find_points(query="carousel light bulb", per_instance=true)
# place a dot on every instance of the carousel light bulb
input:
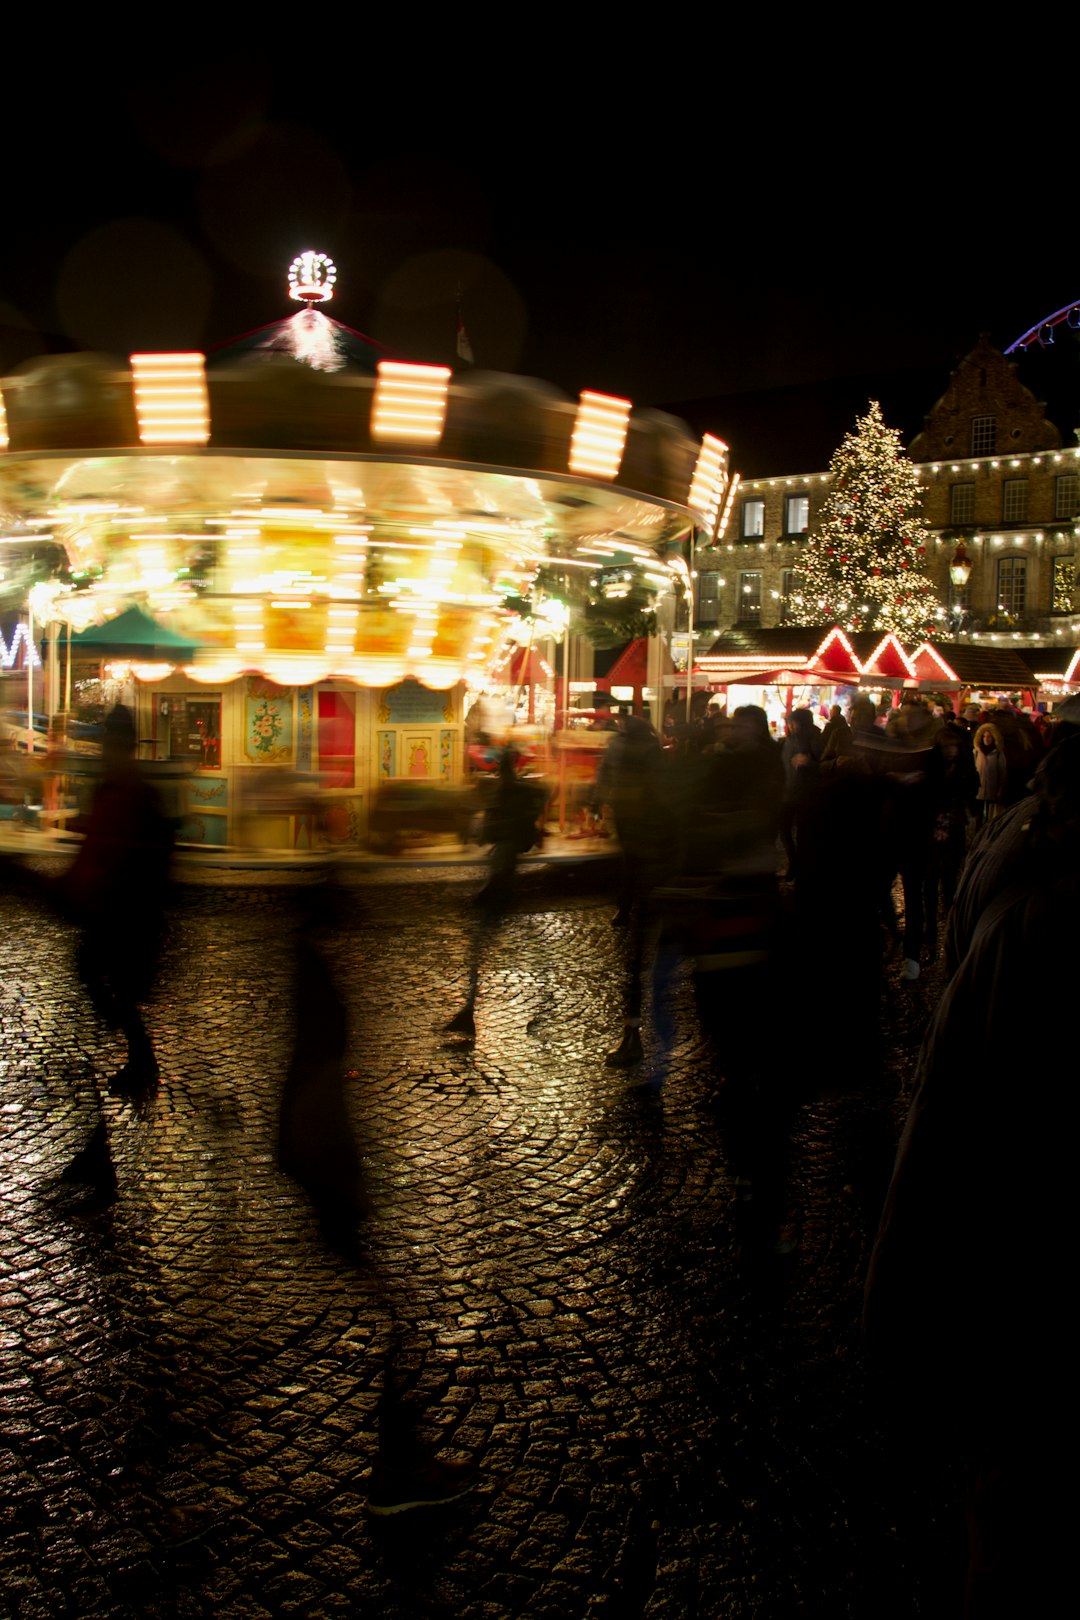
(172, 405)
(410, 402)
(599, 436)
(710, 477)
(312, 277)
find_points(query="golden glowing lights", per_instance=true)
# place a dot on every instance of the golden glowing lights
(171, 402)
(710, 477)
(725, 517)
(312, 277)
(3, 425)
(410, 402)
(599, 436)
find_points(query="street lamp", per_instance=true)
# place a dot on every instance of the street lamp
(959, 573)
(960, 566)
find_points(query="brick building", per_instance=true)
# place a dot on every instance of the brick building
(999, 476)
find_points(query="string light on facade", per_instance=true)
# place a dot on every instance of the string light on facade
(410, 402)
(599, 436)
(171, 402)
(312, 277)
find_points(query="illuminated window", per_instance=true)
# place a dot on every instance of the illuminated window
(749, 597)
(1012, 586)
(1067, 496)
(983, 435)
(787, 590)
(796, 514)
(961, 503)
(1064, 584)
(1014, 507)
(708, 596)
(753, 520)
(960, 597)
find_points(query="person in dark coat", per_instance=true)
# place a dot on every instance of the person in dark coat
(968, 1299)
(116, 891)
(800, 753)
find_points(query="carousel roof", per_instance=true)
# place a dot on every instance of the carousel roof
(310, 338)
(304, 523)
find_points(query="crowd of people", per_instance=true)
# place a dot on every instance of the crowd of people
(759, 863)
(749, 861)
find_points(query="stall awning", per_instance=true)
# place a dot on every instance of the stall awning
(134, 634)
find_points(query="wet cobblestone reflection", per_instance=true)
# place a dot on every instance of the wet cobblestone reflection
(189, 1377)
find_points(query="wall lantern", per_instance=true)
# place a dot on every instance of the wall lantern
(960, 566)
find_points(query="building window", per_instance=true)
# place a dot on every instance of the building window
(1064, 583)
(961, 503)
(787, 591)
(708, 596)
(796, 514)
(753, 520)
(1014, 507)
(983, 435)
(1067, 496)
(750, 597)
(194, 729)
(1012, 587)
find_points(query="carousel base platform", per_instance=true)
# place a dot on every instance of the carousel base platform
(197, 865)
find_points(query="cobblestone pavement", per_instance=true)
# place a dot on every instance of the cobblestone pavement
(189, 1377)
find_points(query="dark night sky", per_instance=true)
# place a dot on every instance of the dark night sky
(706, 244)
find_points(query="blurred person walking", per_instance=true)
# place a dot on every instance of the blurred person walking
(512, 828)
(636, 781)
(115, 892)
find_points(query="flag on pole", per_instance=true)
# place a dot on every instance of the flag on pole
(464, 347)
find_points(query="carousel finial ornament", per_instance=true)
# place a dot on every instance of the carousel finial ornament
(312, 277)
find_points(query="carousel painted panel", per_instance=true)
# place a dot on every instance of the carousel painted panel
(268, 723)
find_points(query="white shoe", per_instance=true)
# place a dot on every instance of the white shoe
(910, 969)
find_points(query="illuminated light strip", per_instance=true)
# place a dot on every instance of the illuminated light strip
(710, 477)
(599, 436)
(410, 402)
(888, 640)
(836, 634)
(736, 479)
(748, 660)
(171, 402)
(4, 440)
(21, 637)
(927, 651)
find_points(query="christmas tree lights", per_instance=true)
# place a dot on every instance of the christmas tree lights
(862, 567)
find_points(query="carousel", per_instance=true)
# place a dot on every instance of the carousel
(296, 566)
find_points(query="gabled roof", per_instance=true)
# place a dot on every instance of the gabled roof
(983, 665)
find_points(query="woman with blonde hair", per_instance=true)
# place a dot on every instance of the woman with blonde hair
(992, 766)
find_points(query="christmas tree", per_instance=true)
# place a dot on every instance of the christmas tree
(862, 567)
